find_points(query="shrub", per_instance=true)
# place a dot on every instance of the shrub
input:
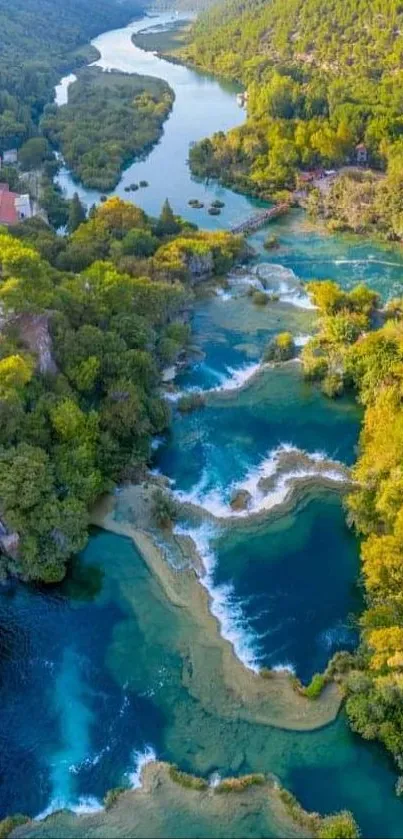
(187, 781)
(340, 826)
(240, 784)
(8, 824)
(270, 242)
(315, 687)
(310, 821)
(112, 796)
(259, 298)
(314, 362)
(333, 385)
(266, 673)
(165, 510)
(280, 348)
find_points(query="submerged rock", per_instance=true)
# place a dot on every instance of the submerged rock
(240, 500)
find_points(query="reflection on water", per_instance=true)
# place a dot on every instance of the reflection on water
(202, 106)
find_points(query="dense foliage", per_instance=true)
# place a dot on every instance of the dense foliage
(365, 202)
(109, 118)
(40, 40)
(348, 353)
(80, 355)
(280, 348)
(321, 78)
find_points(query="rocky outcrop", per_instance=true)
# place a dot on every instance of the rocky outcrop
(240, 500)
(35, 334)
(200, 266)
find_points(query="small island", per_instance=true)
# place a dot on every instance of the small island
(110, 118)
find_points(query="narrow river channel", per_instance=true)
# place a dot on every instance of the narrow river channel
(202, 106)
(94, 674)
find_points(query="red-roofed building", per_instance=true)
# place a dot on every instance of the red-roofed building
(13, 207)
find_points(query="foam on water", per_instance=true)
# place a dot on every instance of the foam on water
(75, 718)
(224, 604)
(282, 281)
(156, 443)
(294, 297)
(284, 667)
(87, 804)
(84, 805)
(370, 260)
(234, 379)
(88, 762)
(224, 294)
(216, 501)
(335, 636)
(140, 760)
(302, 340)
(237, 377)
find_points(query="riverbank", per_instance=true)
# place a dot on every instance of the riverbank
(229, 688)
(117, 117)
(166, 803)
(125, 660)
(164, 41)
(189, 120)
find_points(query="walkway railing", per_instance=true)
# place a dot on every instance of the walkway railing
(259, 219)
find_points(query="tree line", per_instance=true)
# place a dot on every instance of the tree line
(40, 40)
(359, 347)
(321, 78)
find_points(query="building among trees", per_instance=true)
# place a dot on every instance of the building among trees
(13, 206)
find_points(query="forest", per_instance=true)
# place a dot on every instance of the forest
(40, 40)
(359, 347)
(321, 79)
(90, 320)
(363, 202)
(109, 119)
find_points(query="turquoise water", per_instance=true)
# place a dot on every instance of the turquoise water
(312, 252)
(294, 586)
(92, 673)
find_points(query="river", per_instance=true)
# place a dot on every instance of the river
(202, 106)
(106, 671)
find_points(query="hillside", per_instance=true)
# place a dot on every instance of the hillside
(321, 78)
(39, 41)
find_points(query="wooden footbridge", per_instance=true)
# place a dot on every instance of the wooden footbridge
(259, 219)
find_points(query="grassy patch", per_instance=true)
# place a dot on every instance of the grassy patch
(187, 781)
(240, 784)
(8, 824)
(167, 42)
